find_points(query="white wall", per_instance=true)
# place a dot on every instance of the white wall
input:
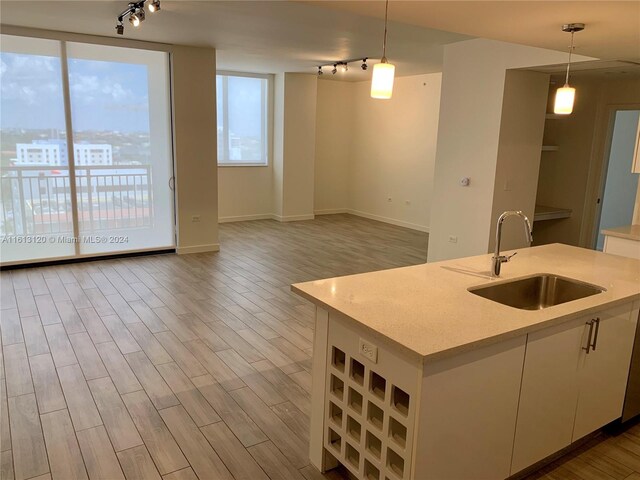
(334, 139)
(245, 193)
(195, 144)
(518, 162)
(300, 94)
(369, 150)
(468, 136)
(393, 151)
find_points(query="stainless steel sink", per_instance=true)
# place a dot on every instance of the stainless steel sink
(537, 292)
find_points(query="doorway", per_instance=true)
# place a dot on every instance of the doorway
(619, 185)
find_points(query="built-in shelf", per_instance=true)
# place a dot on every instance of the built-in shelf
(554, 116)
(543, 212)
(549, 148)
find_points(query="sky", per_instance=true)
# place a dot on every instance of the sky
(245, 106)
(106, 96)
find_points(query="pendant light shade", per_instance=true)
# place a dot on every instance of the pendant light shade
(566, 95)
(383, 72)
(382, 80)
(564, 100)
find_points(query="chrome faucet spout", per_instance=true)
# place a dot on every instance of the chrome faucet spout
(497, 260)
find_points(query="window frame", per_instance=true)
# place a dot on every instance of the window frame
(267, 127)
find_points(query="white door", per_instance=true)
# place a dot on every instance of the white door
(604, 371)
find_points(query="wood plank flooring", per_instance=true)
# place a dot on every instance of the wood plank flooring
(195, 366)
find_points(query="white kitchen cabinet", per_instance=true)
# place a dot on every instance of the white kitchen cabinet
(468, 409)
(549, 393)
(626, 247)
(566, 392)
(604, 371)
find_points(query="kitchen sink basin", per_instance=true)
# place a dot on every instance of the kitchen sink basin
(537, 292)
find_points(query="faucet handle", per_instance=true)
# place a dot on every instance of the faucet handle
(509, 257)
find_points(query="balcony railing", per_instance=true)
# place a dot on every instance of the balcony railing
(37, 200)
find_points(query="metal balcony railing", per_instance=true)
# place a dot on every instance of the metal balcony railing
(37, 199)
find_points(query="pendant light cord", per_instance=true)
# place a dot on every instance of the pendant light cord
(566, 82)
(384, 39)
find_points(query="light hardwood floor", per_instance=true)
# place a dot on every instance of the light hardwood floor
(196, 366)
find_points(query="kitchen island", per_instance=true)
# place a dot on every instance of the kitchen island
(414, 376)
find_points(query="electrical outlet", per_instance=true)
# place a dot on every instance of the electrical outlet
(368, 350)
(453, 239)
(195, 218)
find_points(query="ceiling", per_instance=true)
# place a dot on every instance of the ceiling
(296, 36)
(612, 27)
(257, 36)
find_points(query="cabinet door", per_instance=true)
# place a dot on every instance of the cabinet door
(604, 373)
(549, 392)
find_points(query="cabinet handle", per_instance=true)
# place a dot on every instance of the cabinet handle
(589, 345)
(595, 336)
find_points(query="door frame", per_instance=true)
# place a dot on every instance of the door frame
(598, 174)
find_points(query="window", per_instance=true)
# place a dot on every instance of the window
(243, 104)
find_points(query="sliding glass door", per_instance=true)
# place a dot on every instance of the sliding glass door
(122, 147)
(36, 215)
(105, 186)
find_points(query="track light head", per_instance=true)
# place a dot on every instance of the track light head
(364, 65)
(134, 20)
(343, 67)
(320, 72)
(120, 29)
(154, 6)
(335, 69)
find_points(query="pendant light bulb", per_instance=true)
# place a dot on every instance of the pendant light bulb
(383, 72)
(565, 96)
(382, 80)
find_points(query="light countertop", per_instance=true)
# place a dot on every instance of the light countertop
(631, 232)
(427, 311)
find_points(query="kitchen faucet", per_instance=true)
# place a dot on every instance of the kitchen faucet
(497, 260)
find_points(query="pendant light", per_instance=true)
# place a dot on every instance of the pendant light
(383, 72)
(565, 96)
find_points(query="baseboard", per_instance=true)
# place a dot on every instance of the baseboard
(392, 221)
(211, 247)
(331, 211)
(246, 218)
(293, 218)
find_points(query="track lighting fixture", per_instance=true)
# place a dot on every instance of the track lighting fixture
(135, 12)
(135, 19)
(343, 65)
(566, 95)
